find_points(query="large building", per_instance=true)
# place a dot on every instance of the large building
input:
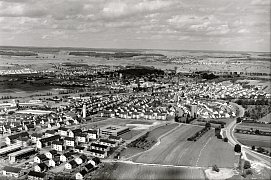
(113, 130)
(13, 157)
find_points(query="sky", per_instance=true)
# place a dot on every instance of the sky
(230, 25)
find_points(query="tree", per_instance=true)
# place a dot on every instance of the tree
(253, 147)
(225, 139)
(237, 148)
(238, 120)
(208, 125)
(247, 165)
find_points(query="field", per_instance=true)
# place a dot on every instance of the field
(134, 171)
(248, 126)
(266, 118)
(174, 149)
(151, 139)
(254, 140)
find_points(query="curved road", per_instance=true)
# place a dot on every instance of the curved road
(245, 150)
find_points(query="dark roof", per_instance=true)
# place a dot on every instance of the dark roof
(83, 172)
(62, 128)
(53, 152)
(89, 166)
(69, 138)
(36, 174)
(97, 151)
(73, 163)
(42, 166)
(50, 132)
(79, 147)
(16, 136)
(58, 142)
(107, 141)
(12, 169)
(96, 160)
(83, 157)
(42, 157)
(36, 135)
(90, 131)
(99, 145)
(51, 138)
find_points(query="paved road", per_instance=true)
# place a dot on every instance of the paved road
(245, 150)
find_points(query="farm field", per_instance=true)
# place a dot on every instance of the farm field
(254, 140)
(134, 171)
(248, 126)
(151, 139)
(174, 149)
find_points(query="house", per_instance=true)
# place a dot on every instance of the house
(49, 133)
(47, 141)
(99, 147)
(54, 162)
(62, 131)
(69, 141)
(88, 167)
(40, 158)
(58, 145)
(92, 134)
(81, 159)
(52, 125)
(12, 138)
(42, 167)
(71, 165)
(60, 124)
(12, 172)
(98, 153)
(81, 174)
(79, 149)
(51, 154)
(73, 133)
(94, 161)
(82, 138)
(33, 175)
(108, 142)
(35, 136)
(29, 127)
(67, 156)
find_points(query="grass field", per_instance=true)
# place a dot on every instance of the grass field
(261, 127)
(174, 149)
(266, 118)
(152, 138)
(133, 171)
(254, 140)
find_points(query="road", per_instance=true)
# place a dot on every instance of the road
(245, 150)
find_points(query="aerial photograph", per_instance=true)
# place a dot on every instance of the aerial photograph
(135, 89)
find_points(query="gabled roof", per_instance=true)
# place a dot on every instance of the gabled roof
(51, 138)
(69, 139)
(12, 169)
(53, 152)
(96, 160)
(58, 142)
(89, 166)
(73, 163)
(16, 136)
(42, 157)
(99, 145)
(36, 174)
(42, 166)
(83, 172)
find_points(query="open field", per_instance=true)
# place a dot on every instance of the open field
(174, 149)
(248, 126)
(133, 171)
(254, 140)
(151, 139)
(266, 118)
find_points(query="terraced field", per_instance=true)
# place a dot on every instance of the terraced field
(174, 149)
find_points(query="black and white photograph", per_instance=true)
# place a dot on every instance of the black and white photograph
(135, 89)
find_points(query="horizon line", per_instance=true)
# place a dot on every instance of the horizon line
(59, 47)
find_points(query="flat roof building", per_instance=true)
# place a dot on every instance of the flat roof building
(113, 130)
